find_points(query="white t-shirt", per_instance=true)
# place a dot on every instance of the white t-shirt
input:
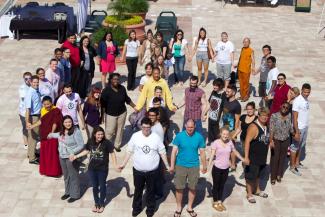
(146, 150)
(144, 79)
(272, 76)
(223, 52)
(23, 89)
(158, 129)
(69, 106)
(132, 48)
(301, 105)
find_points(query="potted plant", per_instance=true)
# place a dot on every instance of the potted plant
(119, 36)
(123, 18)
(138, 7)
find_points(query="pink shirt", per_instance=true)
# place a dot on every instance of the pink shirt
(222, 153)
(69, 106)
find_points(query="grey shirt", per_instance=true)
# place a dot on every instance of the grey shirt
(87, 61)
(264, 70)
(69, 145)
(279, 127)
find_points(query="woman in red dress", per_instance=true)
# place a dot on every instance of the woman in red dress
(107, 51)
(50, 122)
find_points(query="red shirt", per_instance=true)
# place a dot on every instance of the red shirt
(280, 96)
(74, 54)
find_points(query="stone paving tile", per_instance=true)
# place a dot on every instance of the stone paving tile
(300, 55)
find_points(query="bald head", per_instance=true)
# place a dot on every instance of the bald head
(190, 126)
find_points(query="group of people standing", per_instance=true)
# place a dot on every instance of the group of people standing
(58, 103)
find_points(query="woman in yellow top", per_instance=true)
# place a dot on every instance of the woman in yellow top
(246, 66)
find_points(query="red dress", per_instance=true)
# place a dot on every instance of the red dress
(280, 96)
(108, 65)
(49, 163)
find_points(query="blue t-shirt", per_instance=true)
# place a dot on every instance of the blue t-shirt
(188, 147)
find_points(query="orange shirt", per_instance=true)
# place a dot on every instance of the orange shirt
(245, 62)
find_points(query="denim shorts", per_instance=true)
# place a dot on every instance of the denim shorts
(297, 145)
(224, 71)
(202, 56)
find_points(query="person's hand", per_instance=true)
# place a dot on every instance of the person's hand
(171, 170)
(253, 71)
(72, 157)
(121, 59)
(271, 144)
(120, 168)
(204, 117)
(28, 126)
(246, 161)
(174, 109)
(297, 136)
(135, 109)
(49, 136)
(82, 127)
(98, 62)
(141, 62)
(232, 67)
(204, 170)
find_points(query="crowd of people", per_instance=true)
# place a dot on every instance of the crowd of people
(58, 103)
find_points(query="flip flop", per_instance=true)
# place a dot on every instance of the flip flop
(177, 214)
(262, 194)
(192, 213)
(251, 200)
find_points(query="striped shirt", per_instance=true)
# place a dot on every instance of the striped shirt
(193, 104)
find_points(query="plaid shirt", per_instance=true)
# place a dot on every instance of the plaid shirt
(193, 104)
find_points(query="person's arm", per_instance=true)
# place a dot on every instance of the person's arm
(173, 158)
(203, 160)
(188, 53)
(142, 98)
(237, 130)
(124, 52)
(140, 87)
(295, 126)
(81, 117)
(251, 134)
(274, 83)
(114, 160)
(81, 154)
(253, 63)
(237, 117)
(142, 51)
(125, 161)
(53, 135)
(164, 159)
(27, 118)
(164, 50)
(129, 101)
(205, 107)
(37, 124)
(171, 42)
(212, 154)
(54, 127)
(195, 47)
(238, 155)
(184, 101)
(138, 48)
(210, 48)
(79, 140)
(169, 98)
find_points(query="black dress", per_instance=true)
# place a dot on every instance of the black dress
(86, 74)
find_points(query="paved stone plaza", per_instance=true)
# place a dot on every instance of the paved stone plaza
(300, 55)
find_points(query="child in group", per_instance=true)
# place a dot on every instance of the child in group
(158, 93)
(148, 68)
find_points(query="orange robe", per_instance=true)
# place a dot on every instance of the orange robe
(244, 71)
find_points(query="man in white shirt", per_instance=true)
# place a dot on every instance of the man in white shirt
(225, 58)
(156, 126)
(22, 110)
(53, 75)
(272, 79)
(69, 104)
(147, 148)
(300, 110)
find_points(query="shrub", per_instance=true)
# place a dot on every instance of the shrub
(119, 35)
(130, 20)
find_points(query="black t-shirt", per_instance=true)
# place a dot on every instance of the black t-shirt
(162, 45)
(99, 154)
(259, 147)
(229, 111)
(216, 101)
(244, 126)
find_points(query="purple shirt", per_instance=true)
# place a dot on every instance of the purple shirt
(91, 112)
(222, 153)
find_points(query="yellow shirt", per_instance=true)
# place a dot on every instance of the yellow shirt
(148, 91)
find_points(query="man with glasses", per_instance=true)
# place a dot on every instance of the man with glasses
(22, 110)
(147, 149)
(33, 107)
(224, 55)
(113, 100)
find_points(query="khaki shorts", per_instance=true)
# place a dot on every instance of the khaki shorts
(184, 175)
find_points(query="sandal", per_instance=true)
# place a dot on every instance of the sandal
(217, 207)
(251, 199)
(278, 179)
(177, 214)
(262, 194)
(95, 208)
(192, 213)
(100, 209)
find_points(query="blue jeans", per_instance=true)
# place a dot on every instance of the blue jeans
(98, 181)
(179, 68)
(198, 126)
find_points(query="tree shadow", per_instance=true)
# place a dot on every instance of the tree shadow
(114, 188)
(264, 177)
(128, 131)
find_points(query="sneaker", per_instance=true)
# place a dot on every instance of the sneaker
(274, 2)
(295, 171)
(25, 146)
(301, 166)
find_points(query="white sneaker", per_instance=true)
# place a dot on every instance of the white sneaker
(274, 2)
